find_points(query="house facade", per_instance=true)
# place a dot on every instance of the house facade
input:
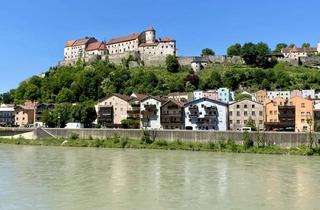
(242, 111)
(225, 95)
(24, 115)
(282, 94)
(113, 108)
(181, 96)
(172, 115)
(294, 53)
(303, 113)
(261, 96)
(150, 109)
(6, 115)
(206, 114)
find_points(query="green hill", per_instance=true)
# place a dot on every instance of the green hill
(84, 82)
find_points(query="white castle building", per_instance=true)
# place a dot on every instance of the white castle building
(143, 46)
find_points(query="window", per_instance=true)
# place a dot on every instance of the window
(231, 122)
(260, 122)
(245, 106)
(260, 113)
(253, 106)
(238, 122)
(303, 105)
(275, 112)
(238, 106)
(253, 113)
(303, 120)
(245, 122)
(245, 113)
(238, 113)
(270, 112)
(230, 113)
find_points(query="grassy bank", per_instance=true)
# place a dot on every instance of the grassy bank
(117, 142)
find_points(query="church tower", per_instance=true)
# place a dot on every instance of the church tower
(150, 35)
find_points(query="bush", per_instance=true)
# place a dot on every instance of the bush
(74, 136)
(146, 138)
(124, 142)
(172, 64)
(247, 141)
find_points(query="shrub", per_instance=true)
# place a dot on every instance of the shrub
(124, 142)
(146, 139)
(74, 136)
(247, 141)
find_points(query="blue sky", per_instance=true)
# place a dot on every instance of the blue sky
(33, 32)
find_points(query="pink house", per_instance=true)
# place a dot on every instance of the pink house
(211, 94)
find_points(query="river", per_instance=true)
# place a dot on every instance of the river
(48, 178)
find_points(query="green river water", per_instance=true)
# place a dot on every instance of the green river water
(48, 178)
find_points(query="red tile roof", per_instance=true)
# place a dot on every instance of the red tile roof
(178, 103)
(124, 38)
(70, 43)
(78, 42)
(96, 46)
(297, 50)
(167, 40)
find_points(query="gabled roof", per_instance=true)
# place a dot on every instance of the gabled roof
(124, 38)
(123, 97)
(178, 103)
(79, 42)
(25, 107)
(206, 99)
(167, 40)
(96, 46)
(138, 96)
(154, 97)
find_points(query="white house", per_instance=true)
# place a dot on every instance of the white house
(206, 114)
(282, 94)
(150, 108)
(308, 93)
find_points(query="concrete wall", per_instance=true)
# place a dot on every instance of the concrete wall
(274, 138)
(283, 139)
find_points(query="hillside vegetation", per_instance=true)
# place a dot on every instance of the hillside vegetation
(84, 82)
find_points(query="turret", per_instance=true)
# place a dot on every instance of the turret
(150, 35)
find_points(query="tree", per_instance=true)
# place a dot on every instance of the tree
(65, 96)
(243, 96)
(84, 113)
(257, 55)
(250, 123)
(207, 52)
(292, 45)
(279, 47)
(305, 45)
(249, 53)
(234, 50)
(172, 63)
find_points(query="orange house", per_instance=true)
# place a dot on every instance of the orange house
(304, 113)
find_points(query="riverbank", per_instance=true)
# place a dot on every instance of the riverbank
(118, 142)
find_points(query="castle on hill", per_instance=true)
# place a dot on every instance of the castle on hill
(142, 47)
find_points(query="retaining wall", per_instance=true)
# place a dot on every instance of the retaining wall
(276, 138)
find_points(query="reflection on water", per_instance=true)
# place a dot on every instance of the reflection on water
(84, 178)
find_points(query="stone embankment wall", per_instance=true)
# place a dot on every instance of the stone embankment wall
(283, 139)
(275, 138)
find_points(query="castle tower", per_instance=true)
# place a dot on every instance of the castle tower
(150, 35)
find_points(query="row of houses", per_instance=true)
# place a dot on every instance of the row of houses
(176, 112)
(200, 110)
(26, 115)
